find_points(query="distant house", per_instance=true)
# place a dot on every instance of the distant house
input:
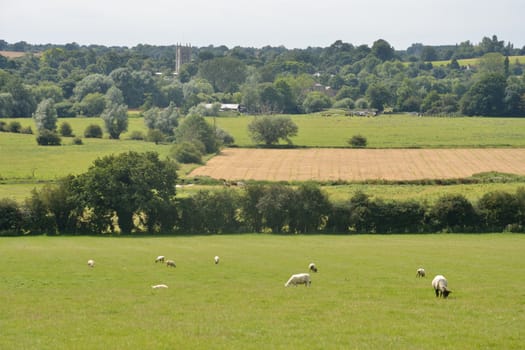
(227, 107)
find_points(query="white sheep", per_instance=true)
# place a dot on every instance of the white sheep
(439, 283)
(91, 263)
(216, 259)
(170, 263)
(300, 278)
(312, 267)
(160, 258)
(157, 286)
(420, 272)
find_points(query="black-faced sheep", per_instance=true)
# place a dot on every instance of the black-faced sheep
(91, 263)
(312, 267)
(300, 278)
(170, 263)
(420, 272)
(439, 283)
(160, 258)
(216, 259)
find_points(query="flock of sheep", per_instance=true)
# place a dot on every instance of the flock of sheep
(439, 283)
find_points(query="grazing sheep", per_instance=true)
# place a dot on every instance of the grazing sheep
(312, 267)
(157, 286)
(170, 263)
(160, 258)
(300, 278)
(91, 263)
(420, 272)
(216, 259)
(439, 283)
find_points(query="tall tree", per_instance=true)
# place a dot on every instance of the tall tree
(46, 115)
(115, 120)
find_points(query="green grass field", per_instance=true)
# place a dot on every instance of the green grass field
(475, 61)
(365, 295)
(393, 131)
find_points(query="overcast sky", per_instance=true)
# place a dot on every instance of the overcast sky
(257, 23)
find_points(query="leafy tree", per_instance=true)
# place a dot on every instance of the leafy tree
(165, 120)
(498, 209)
(92, 104)
(485, 97)
(93, 83)
(452, 212)
(187, 152)
(382, 50)
(310, 209)
(270, 129)
(224, 73)
(93, 131)
(316, 101)
(10, 217)
(115, 120)
(65, 129)
(48, 138)
(126, 185)
(378, 95)
(195, 128)
(46, 115)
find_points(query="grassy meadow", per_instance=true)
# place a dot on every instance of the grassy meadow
(365, 295)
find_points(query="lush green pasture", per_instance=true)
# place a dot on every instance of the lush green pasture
(365, 295)
(475, 61)
(393, 131)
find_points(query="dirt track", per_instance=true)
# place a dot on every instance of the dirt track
(360, 164)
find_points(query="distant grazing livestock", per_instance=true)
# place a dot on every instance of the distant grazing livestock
(216, 259)
(157, 286)
(420, 272)
(300, 278)
(91, 263)
(439, 283)
(160, 258)
(170, 263)
(312, 267)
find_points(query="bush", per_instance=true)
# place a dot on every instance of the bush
(357, 141)
(155, 135)
(93, 131)
(48, 138)
(65, 109)
(65, 130)
(77, 141)
(10, 217)
(14, 127)
(187, 152)
(136, 135)
(26, 130)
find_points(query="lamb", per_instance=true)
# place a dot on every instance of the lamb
(160, 258)
(300, 278)
(312, 267)
(170, 263)
(420, 272)
(91, 263)
(157, 286)
(439, 283)
(216, 259)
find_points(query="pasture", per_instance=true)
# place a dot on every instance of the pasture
(365, 295)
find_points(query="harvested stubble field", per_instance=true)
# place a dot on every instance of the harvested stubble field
(360, 164)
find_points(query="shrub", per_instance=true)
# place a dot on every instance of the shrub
(93, 131)
(136, 135)
(155, 135)
(14, 126)
(357, 141)
(48, 138)
(65, 109)
(77, 141)
(10, 217)
(65, 130)
(26, 130)
(187, 152)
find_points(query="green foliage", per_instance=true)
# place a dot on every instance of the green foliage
(10, 217)
(453, 213)
(93, 131)
(136, 135)
(13, 126)
(115, 120)
(357, 141)
(77, 141)
(225, 74)
(498, 209)
(92, 104)
(270, 129)
(48, 138)
(165, 120)
(155, 135)
(195, 127)
(187, 152)
(45, 116)
(316, 102)
(65, 129)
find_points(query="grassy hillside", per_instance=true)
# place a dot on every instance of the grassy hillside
(364, 296)
(464, 62)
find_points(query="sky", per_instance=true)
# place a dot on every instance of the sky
(259, 23)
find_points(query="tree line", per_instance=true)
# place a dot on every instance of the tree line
(266, 80)
(135, 193)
